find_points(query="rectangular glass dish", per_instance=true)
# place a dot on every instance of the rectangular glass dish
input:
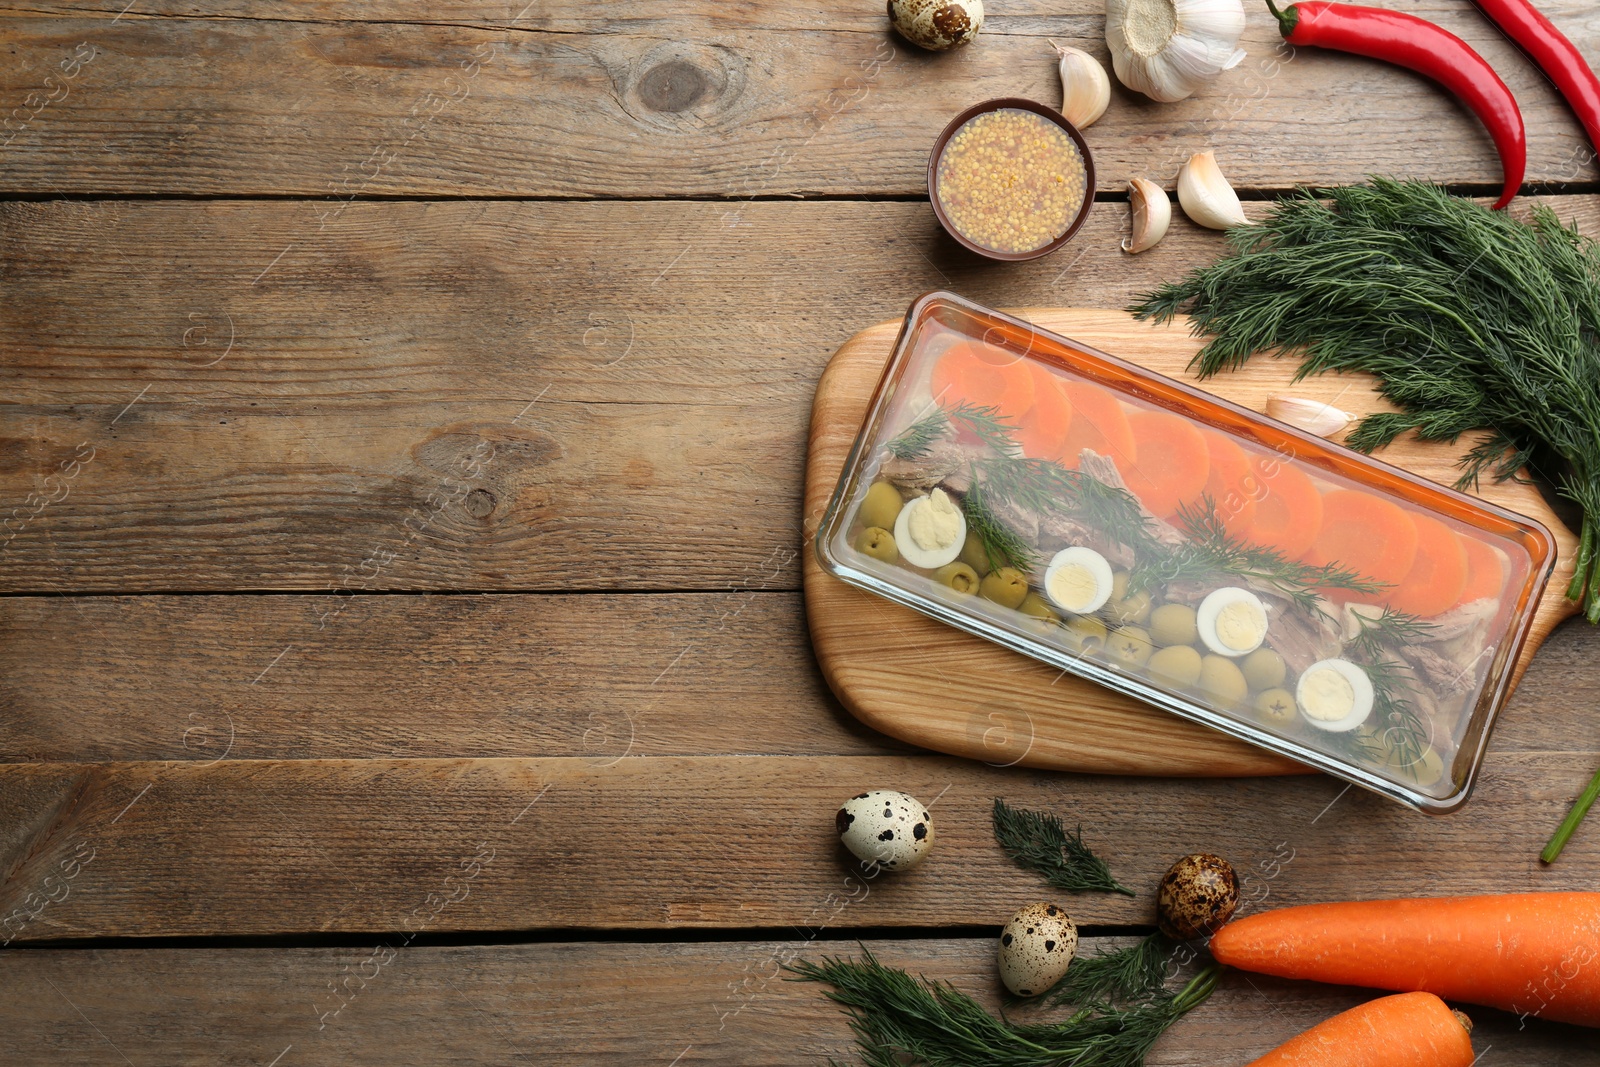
(1189, 552)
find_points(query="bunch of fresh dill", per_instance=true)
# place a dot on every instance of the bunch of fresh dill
(899, 1019)
(1038, 841)
(1471, 320)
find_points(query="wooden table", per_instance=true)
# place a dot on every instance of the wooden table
(403, 659)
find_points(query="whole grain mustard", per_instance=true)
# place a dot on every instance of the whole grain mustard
(1011, 181)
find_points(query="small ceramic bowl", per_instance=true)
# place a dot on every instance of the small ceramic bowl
(1018, 104)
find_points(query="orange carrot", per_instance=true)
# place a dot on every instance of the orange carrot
(1225, 484)
(1486, 569)
(1367, 533)
(1044, 429)
(1437, 574)
(1098, 423)
(1288, 506)
(1534, 954)
(1406, 1030)
(1173, 461)
(983, 375)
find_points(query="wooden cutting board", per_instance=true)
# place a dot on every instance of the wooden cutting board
(922, 681)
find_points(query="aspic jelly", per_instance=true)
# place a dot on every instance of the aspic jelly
(1174, 546)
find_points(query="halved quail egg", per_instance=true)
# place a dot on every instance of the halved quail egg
(1036, 948)
(1078, 580)
(930, 530)
(1334, 695)
(885, 828)
(1232, 621)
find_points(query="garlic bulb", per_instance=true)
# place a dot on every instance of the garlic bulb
(1166, 49)
(1151, 211)
(1206, 196)
(1085, 88)
(1312, 416)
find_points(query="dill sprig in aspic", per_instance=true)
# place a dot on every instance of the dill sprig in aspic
(1038, 841)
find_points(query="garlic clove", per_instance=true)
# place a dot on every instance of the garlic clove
(1312, 416)
(1166, 49)
(1151, 212)
(1206, 196)
(1085, 86)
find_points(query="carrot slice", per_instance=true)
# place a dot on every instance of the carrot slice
(1226, 483)
(983, 375)
(1173, 461)
(1044, 428)
(1288, 506)
(1486, 570)
(1098, 423)
(1532, 953)
(1406, 1030)
(1370, 535)
(1437, 575)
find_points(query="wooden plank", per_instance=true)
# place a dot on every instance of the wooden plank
(573, 1003)
(267, 847)
(597, 677)
(274, 677)
(825, 102)
(498, 394)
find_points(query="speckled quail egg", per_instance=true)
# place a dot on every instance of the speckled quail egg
(1232, 621)
(930, 531)
(1078, 580)
(885, 828)
(937, 24)
(1334, 695)
(1198, 895)
(1036, 948)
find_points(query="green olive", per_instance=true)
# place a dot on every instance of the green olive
(1126, 607)
(1173, 624)
(881, 507)
(1276, 707)
(1222, 681)
(1129, 646)
(958, 576)
(1086, 634)
(1426, 769)
(1176, 665)
(1038, 607)
(974, 555)
(878, 543)
(1006, 587)
(1264, 669)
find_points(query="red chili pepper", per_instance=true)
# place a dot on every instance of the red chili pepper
(1556, 56)
(1418, 45)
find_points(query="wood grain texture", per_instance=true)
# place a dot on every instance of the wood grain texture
(86, 679)
(768, 100)
(93, 679)
(1012, 709)
(270, 847)
(495, 395)
(577, 1003)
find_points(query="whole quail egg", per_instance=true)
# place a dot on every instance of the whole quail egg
(1036, 949)
(1197, 896)
(937, 24)
(885, 828)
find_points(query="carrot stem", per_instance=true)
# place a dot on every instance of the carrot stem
(1569, 825)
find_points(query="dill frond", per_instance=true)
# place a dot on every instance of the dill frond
(1038, 841)
(899, 1019)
